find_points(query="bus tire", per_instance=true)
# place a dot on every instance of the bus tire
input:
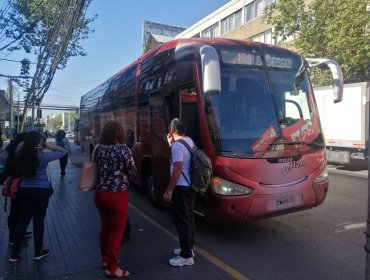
(149, 186)
(150, 189)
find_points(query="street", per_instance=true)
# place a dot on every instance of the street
(260, 100)
(321, 243)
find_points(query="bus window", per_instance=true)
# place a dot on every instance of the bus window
(190, 115)
(157, 115)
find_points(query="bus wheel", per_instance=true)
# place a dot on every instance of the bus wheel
(150, 187)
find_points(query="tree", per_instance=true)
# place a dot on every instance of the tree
(329, 28)
(54, 123)
(51, 31)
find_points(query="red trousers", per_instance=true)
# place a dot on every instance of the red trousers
(113, 208)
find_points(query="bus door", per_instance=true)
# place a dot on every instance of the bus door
(189, 114)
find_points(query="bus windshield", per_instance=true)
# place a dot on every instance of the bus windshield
(266, 103)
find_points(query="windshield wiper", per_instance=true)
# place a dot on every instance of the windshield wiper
(298, 143)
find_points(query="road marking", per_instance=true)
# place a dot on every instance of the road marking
(200, 251)
(349, 226)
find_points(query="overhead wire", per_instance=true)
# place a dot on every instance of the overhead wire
(73, 13)
(12, 60)
(31, 26)
(20, 15)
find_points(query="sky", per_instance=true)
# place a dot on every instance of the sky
(115, 43)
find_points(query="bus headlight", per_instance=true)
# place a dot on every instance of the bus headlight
(223, 187)
(322, 176)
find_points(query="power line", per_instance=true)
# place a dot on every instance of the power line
(30, 27)
(11, 60)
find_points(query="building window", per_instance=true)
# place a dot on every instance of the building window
(264, 37)
(211, 31)
(268, 37)
(260, 6)
(249, 15)
(256, 9)
(231, 22)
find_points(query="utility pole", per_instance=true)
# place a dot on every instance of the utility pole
(10, 91)
(18, 115)
(367, 232)
(33, 112)
(69, 121)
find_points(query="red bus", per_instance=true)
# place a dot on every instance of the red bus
(248, 105)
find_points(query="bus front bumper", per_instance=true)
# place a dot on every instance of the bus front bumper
(242, 209)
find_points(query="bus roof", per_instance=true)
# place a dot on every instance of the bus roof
(187, 41)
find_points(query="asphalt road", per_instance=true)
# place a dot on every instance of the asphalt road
(321, 243)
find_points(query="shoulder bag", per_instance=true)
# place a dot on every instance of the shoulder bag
(89, 175)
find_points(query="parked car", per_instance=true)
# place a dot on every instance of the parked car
(70, 135)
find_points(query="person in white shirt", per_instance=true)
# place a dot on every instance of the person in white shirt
(179, 193)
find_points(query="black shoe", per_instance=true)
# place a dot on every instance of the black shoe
(28, 234)
(62, 173)
(41, 254)
(14, 258)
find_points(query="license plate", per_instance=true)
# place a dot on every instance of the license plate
(282, 203)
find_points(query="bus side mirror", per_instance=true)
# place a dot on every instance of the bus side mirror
(337, 75)
(210, 65)
(211, 70)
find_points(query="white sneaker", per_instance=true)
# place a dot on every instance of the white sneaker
(177, 252)
(180, 261)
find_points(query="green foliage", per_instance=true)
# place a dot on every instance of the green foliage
(49, 30)
(334, 29)
(56, 122)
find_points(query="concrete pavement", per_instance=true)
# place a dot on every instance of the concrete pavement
(71, 233)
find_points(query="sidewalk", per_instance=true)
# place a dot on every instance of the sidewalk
(71, 233)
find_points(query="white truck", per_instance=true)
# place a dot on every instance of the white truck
(345, 124)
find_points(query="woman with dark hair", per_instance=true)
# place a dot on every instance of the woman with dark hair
(30, 164)
(13, 213)
(62, 141)
(115, 164)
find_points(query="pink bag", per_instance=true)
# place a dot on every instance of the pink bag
(11, 186)
(88, 178)
(89, 175)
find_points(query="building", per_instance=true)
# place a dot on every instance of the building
(237, 19)
(155, 34)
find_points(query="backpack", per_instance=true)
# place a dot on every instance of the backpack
(11, 186)
(200, 168)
